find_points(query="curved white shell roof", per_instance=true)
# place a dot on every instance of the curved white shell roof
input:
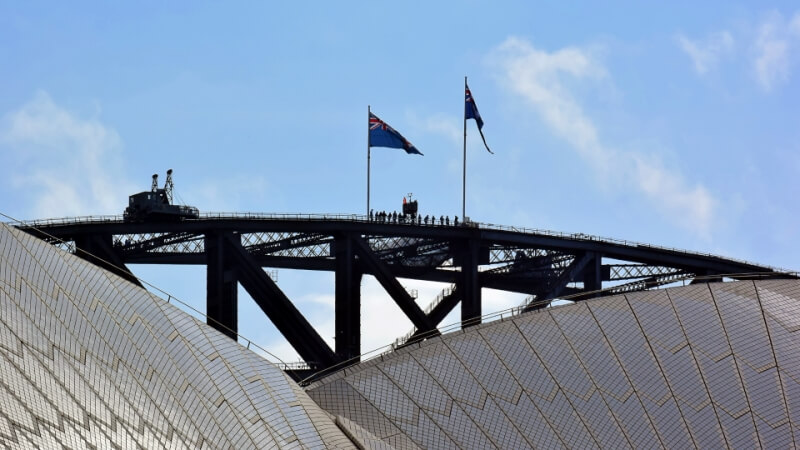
(88, 360)
(703, 366)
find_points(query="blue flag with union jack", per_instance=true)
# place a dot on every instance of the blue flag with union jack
(471, 112)
(382, 135)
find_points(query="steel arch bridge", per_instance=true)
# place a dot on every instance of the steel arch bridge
(236, 248)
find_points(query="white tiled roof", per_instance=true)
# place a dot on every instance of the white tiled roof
(88, 360)
(703, 366)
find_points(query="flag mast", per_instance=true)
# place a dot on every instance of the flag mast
(464, 180)
(385, 136)
(368, 157)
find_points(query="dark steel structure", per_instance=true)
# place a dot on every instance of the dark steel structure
(236, 249)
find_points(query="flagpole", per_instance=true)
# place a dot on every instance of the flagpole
(464, 181)
(368, 158)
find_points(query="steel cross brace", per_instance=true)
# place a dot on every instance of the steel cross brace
(576, 267)
(437, 314)
(393, 287)
(277, 306)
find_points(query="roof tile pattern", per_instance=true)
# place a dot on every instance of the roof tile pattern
(701, 366)
(88, 360)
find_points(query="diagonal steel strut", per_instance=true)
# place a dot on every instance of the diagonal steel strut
(398, 293)
(277, 306)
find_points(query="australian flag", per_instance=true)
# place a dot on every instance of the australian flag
(471, 112)
(382, 135)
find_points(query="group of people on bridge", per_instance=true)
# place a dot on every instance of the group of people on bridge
(412, 219)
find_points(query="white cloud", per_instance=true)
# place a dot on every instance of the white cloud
(771, 47)
(692, 205)
(539, 77)
(442, 124)
(774, 44)
(794, 26)
(536, 75)
(61, 164)
(706, 54)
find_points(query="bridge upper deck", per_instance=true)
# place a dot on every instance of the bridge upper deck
(487, 233)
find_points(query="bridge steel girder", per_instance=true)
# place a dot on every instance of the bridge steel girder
(280, 310)
(468, 283)
(593, 274)
(164, 240)
(393, 287)
(642, 254)
(99, 250)
(437, 314)
(286, 243)
(448, 303)
(572, 271)
(222, 305)
(623, 272)
(348, 300)
(632, 252)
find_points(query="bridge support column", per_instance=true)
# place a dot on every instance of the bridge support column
(348, 300)
(222, 306)
(469, 286)
(592, 274)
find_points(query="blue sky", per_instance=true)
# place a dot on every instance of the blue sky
(673, 124)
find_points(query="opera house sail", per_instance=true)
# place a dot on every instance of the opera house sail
(713, 365)
(89, 360)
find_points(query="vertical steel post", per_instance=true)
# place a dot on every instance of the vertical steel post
(348, 300)
(469, 285)
(592, 274)
(221, 288)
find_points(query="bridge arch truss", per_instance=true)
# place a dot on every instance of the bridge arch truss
(467, 258)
